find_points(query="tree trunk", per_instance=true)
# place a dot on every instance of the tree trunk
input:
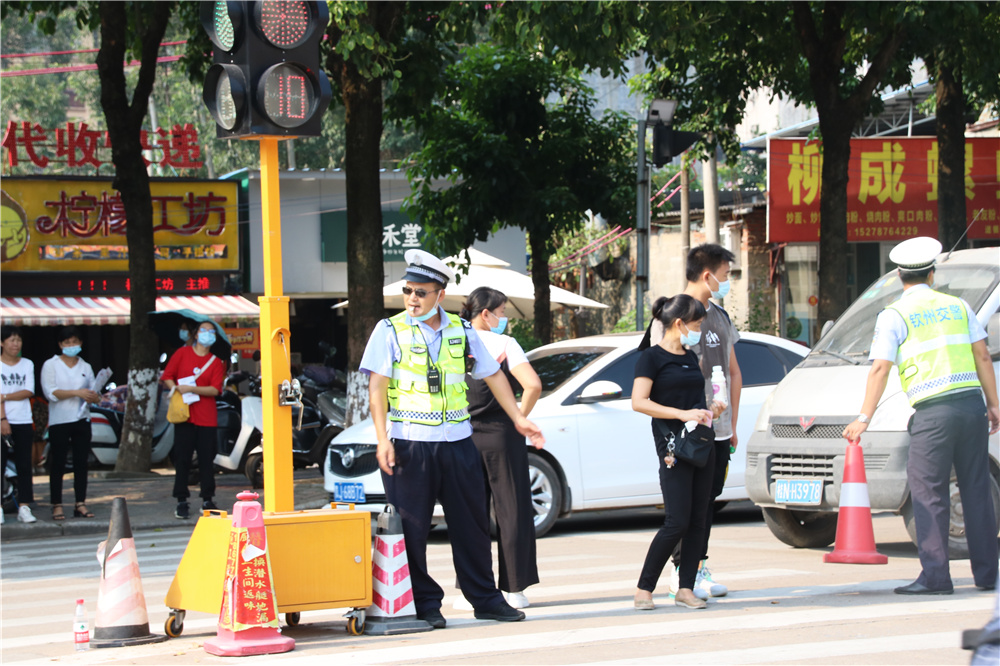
(951, 156)
(833, 296)
(362, 99)
(124, 120)
(540, 278)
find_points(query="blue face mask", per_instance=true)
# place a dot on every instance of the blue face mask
(72, 351)
(427, 315)
(723, 288)
(691, 338)
(206, 338)
(501, 325)
(184, 335)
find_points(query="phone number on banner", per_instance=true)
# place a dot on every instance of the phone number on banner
(884, 232)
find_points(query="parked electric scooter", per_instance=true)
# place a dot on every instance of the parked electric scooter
(321, 420)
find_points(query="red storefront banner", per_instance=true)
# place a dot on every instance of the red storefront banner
(891, 191)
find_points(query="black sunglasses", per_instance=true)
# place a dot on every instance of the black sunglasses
(421, 293)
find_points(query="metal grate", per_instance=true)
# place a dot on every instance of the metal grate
(352, 460)
(751, 461)
(794, 431)
(816, 467)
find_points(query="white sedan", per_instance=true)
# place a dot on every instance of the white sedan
(598, 453)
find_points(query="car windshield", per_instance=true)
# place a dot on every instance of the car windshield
(556, 366)
(852, 334)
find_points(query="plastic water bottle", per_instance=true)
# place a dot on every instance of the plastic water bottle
(81, 632)
(719, 390)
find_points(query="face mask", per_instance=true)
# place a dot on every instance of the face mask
(723, 288)
(72, 351)
(183, 333)
(691, 338)
(501, 325)
(430, 313)
(206, 338)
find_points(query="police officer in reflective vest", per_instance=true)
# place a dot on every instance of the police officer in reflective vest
(417, 362)
(945, 369)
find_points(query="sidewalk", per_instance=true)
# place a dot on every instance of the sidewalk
(149, 499)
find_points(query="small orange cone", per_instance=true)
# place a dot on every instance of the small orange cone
(121, 606)
(392, 610)
(248, 620)
(855, 542)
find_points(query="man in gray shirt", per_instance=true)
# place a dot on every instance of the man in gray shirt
(708, 268)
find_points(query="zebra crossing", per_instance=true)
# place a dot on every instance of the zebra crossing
(786, 607)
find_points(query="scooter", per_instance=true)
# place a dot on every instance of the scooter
(314, 425)
(8, 499)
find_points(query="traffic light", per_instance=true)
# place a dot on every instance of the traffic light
(266, 78)
(669, 143)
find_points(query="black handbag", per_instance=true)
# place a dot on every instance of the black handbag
(693, 447)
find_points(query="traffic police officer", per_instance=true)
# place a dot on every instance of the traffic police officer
(416, 362)
(945, 369)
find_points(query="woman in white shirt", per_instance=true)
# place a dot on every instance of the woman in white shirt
(15, 414)
(503, 449)
(68, 383)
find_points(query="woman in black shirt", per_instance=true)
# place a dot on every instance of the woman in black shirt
(670, 387)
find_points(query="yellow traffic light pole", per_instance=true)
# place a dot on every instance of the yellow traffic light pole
(320, 559)
(275, 352)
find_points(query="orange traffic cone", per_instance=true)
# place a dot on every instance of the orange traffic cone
(855, 542)
(248, 620)
(392, 610)
(121, 606)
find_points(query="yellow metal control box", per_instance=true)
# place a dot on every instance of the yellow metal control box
(319, 559)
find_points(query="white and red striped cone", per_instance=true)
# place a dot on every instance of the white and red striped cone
(248, 619)
(121, 606)
(855, 542)
(392, 610)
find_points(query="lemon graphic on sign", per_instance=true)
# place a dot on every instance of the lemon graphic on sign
(13, 228)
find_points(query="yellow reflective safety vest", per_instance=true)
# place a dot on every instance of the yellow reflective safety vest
(410, 395)
(936, 356)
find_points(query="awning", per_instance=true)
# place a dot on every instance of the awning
(66, 310)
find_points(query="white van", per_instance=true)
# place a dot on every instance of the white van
(795, 457)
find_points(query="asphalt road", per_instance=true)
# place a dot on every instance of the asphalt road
(785, 605)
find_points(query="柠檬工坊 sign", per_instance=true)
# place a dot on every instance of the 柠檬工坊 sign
(891, 191)
(78, 225)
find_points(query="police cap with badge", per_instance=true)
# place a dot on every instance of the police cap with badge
(915, 254)
(423, 266)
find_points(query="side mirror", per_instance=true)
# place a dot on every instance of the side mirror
(234, 358)
(826, 328)
(601, 391)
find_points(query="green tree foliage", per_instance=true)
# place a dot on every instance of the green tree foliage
(515, 160)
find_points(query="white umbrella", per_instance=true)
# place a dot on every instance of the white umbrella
(488, 271)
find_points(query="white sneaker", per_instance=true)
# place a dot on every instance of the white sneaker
(517, 599)
(462, 604)
(709, 587)
(24, 514)
(675, 579)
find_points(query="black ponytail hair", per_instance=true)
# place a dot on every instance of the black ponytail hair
(481, 298)
(683, 307)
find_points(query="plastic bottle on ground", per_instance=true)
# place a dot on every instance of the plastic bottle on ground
(81, 630)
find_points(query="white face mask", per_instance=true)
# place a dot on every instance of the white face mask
(430, 313)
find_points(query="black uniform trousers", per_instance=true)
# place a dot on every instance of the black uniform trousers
(450, 473)
(952, 431)
(505, 464)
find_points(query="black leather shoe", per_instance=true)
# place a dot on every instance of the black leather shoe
(433, 617)
(917, 588)
(501, 612)
(987, 588)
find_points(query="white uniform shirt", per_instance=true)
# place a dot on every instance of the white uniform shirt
(18, 377)
(57, 376)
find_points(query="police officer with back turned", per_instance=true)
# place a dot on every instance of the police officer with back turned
(417, 362)
(945, 369)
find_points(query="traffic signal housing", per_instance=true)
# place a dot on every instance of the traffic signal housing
(266, 78)
(669, 143)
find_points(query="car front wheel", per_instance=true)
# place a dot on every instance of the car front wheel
(546, 493)
(802, 529)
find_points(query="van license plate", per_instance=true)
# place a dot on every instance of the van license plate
(798, 491)
(349, 492)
